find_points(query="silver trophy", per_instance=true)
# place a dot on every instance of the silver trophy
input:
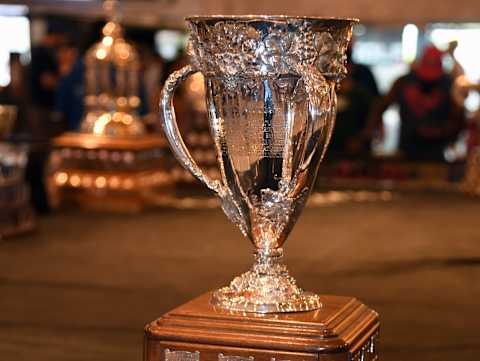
(270, 92)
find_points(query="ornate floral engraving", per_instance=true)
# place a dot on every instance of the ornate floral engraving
(272, 211)
(251, 48)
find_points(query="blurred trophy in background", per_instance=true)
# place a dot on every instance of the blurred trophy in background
(112, 163)
(270, 92)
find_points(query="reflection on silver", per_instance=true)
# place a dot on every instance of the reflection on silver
(270, 87)
(181, 355)
(326, 199)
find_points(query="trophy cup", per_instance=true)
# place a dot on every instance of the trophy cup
(270, 93)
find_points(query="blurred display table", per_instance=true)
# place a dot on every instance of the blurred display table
(391, 174)
(17, 216)
(342, 330)
(108, 173)
(471, 183)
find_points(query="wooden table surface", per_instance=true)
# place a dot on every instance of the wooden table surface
(84, 285)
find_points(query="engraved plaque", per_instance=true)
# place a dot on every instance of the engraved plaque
(368, 352)
(181, 355)
(222, 357)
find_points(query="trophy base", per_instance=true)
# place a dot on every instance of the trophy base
(345, 329)
(266, 288)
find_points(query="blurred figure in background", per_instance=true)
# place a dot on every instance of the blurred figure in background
(454, 67)
(44, 80)
(16, 93)
(69, 93)
(67, 55)
(44, 77)
(430, 119)
(356, 96)
(456, 71)
(354, 103)
(361, 74)
(152, 72)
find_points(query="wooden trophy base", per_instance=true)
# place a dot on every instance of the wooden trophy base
(344, 329)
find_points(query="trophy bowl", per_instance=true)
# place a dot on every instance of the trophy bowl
(270, 93)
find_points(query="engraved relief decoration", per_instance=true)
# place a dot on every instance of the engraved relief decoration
(247, 48)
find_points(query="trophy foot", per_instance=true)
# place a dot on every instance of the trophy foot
(266, 288)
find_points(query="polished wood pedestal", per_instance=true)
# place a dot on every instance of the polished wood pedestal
(342, 330)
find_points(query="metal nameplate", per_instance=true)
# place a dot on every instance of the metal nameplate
(181, 355)
(222, 357)
(368, 351)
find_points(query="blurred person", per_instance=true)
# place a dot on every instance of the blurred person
(44, 77)
(67, 56)
(152, 74)
(361, 74)
(18, 91)
(354, 103)
(17, 77)
(357, 94)
(13, 91)
(430, 118)
(70, 92)
(454, 67)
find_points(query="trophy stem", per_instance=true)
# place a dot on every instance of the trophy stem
(268, 256)
(266, 288)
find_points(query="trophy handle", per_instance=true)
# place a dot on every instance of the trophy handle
(172, 132)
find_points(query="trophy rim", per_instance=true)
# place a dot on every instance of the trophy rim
(252, 17)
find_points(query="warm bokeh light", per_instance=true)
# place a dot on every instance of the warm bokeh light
(61, 178)
(101, 54)
(100, 182)
(75, 180)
